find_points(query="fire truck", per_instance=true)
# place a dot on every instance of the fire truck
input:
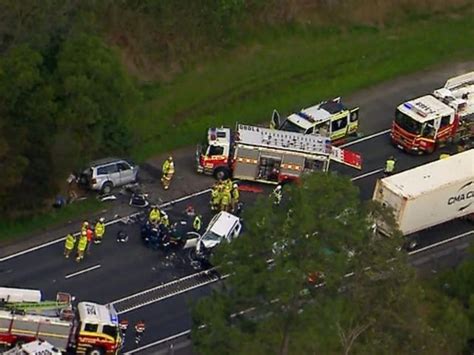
(89, 328)
(331, 118)
(267, 155)
(446, 116)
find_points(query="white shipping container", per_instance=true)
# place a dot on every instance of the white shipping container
(430, 194)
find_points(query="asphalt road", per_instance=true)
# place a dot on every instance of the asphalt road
(115, 270)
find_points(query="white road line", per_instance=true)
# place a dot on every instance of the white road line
(431, 246)
(47, 244)
(363, 139)
(366, 174)
(82, 271)
(158, 342)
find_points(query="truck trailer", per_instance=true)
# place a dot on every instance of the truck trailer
(429, 194)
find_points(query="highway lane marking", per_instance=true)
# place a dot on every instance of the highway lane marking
(366, 174)
(366, 138)
(52, 242)
(445, 241)
(82, 271)
(158, 342)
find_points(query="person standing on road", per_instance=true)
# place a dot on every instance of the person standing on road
(390, 165)
(277, 195)
(139, 330)
(235, 196)
(69, 245)
(168, 172)
(84, 227)
(226, 199)
(215, 198)
(123, 325)
(99, 230)
(90, 240)
(81, 246)
(154, 216)
(197, 223)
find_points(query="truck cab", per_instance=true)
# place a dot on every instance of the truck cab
(328, 118)
(212, 157)
(422, 123)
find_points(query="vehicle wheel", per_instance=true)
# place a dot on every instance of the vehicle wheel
(107, 188)
(221, 173)
(95, 351)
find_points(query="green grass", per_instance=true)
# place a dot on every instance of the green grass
(27, 226)
(288, 69)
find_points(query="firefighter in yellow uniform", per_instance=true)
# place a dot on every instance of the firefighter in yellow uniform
(215, 198)
(85, 226)
(154, 216)
(168, 172)
(99, 230)
(197, 223)
(165, 220)
(235, 196)
(69, 245)
(390, 166)
(226, 198)
(81, 246)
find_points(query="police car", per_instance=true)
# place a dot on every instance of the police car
(329, 118)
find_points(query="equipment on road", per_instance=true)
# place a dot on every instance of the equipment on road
(430, 194)
(328, 118)
(89, 328)
(266, 155)
(446, 116)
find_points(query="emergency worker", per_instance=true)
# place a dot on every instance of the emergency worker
(81, 246)
(277, 195)
(235, 195)
(99, 230)
(123, 325)
(90, 239)
(84, 227)
(215, 201)
(226, 198)
(139, 330)
(69, 244)
(165, 221)
(168, 172)
(154, 216)
(197, 223)
(390, 165)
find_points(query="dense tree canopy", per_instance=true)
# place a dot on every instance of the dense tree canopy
(364, 297)
(59, 107)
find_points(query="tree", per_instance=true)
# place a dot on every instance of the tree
(365, 298)
(96, 97)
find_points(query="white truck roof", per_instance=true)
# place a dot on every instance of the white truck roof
(425, 108)
(9, 294)
(283, 140)
(425, 178)
(97, 313)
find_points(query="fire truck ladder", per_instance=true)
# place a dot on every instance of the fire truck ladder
(35, 306)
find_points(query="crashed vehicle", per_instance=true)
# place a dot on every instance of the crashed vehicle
(161, 237)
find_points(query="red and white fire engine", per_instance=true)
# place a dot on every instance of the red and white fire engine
(89, 328)
(267, 155)
(447, 115)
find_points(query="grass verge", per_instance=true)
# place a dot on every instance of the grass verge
(22, 227)
(288, 69)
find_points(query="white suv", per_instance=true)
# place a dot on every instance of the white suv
(105, 174)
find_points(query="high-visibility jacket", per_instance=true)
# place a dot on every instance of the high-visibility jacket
(165, 221)
(99, 229)
(390, 166)
(235, 194)
(168, 167)
(81, 246)
(197, 223)
(155, 215)
(70, 241)
(225, 198)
